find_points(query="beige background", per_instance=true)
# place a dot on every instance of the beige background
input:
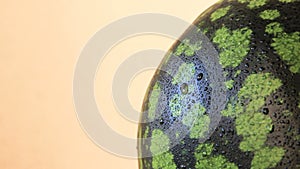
(40, 43)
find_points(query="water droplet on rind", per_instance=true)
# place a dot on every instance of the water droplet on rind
(265, 111)
(184, 88)
(200, 76)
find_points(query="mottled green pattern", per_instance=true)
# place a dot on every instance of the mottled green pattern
(219, 13)
(164, 161)
(159, 142)
(250, 123)
(153, 100)
(257, 87)
(229, 84)
(233, 109)
(254, 129)
(267, 157)
(185, 47)
(205, 159)
(269, 14)
(256, 40)
(274, 28)
(190, 117)
(288, 1)
(185, 72)
(288, 47)
(254, 3)
(227, 41)
(159, 148)
(197, 121)
(175, 105)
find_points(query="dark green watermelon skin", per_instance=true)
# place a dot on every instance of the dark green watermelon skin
(259, 126)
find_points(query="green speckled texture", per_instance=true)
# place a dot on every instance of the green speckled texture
(229, 84)
(198, 122)
(205, 159)
(219, 13)
(287, 46)
(184, 73)
(274, 28)
(187, 48)
(267, 157)
(153, 99)
(254, 3)
(227, 41)
(175, 105)
(269, 14)
(258, 124)
(159, 147)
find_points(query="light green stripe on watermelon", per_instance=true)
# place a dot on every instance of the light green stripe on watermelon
(254, 128)
(159, 142)
(267, 157)
(219, 13)
(274, 28)
(175, 105)
(233, 109)
(153, 100)
(159, 147)
(197, 121)
(256, 87)
(164, 161)
(185, 72)
(270, 14)
(287, 1)
(187, 48)
(254, 3)
(227, 41)
(229, 84)
(205, 160)
(287, 47)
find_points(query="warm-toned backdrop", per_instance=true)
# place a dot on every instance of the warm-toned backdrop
(40, 43)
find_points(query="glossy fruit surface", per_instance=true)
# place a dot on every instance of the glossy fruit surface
(227, 93)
